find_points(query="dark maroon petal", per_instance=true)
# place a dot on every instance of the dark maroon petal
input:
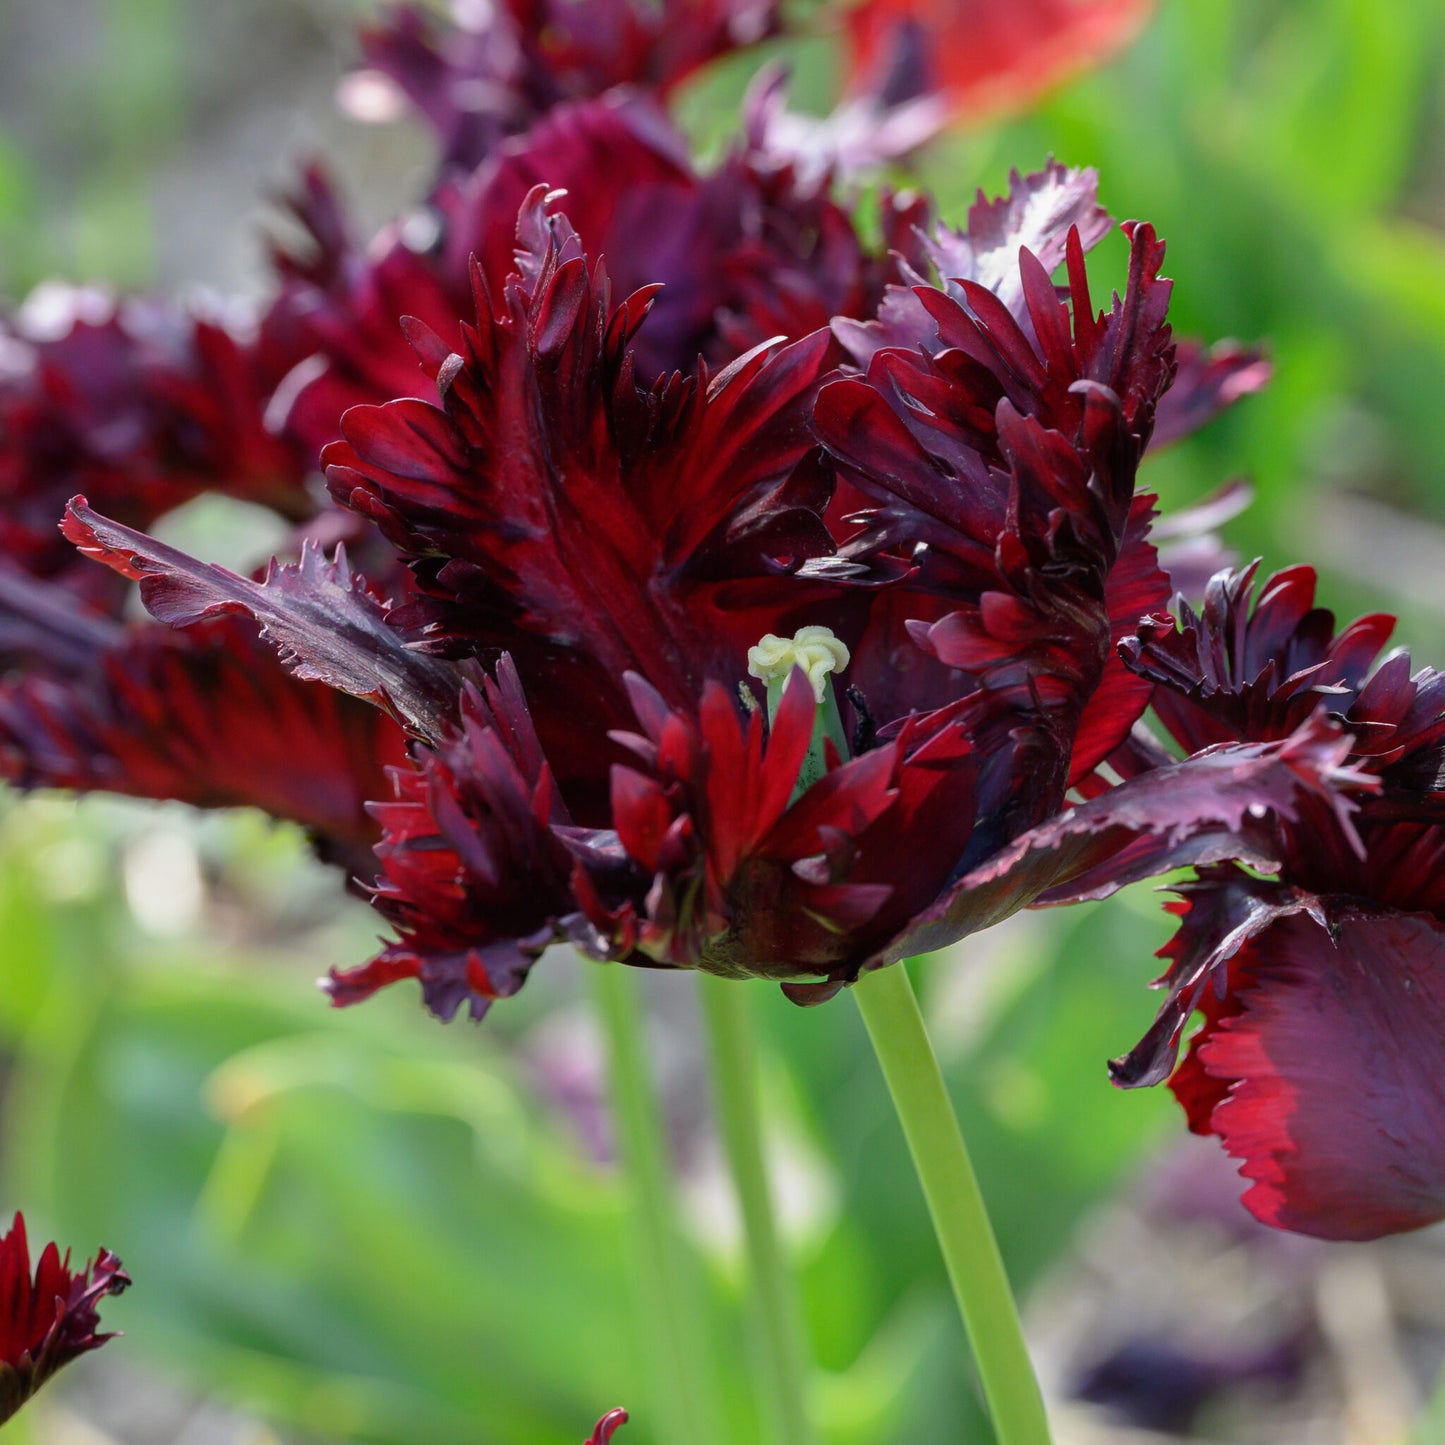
(206, 716)
(317, 614)
(1136, 585)
(473, 878)
(49, 624)
(607, 1427)
(1219, 913)
(1246, 669)
(1210, 380)
(1003, 469)
(1213, 807)
(557, 510)
(1324, 1075)
(50, 1319)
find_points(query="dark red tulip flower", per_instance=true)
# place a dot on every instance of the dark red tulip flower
(50, 1318)
(636, 599)
(1320, 986)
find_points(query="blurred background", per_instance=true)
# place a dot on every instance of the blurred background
(363, 1227)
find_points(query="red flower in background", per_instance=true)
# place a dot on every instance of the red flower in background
(983, 58)
(50, 1318)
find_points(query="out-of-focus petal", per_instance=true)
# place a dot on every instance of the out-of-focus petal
(497, 69)
(607, 1427)
(1210, 380)
(986, 57)
(207, 716)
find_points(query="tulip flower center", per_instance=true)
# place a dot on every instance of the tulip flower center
(820, 654)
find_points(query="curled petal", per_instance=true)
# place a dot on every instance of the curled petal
(607, 1426)
(1216, 806)
(319, 616)
(473, 878)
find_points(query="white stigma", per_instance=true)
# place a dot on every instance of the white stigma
(814, 649)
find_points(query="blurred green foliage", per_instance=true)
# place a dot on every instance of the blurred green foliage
(369, 1228)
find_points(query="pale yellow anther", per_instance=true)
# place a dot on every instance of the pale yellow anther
(814, 649)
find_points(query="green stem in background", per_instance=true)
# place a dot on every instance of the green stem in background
(975, 1268)
(678, 1359)
(782, 1357)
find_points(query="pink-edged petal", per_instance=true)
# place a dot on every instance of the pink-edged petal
(1328, 1072)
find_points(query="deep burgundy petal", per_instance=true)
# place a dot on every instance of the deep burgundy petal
(1003, 468)
(473, 878)
(1252, 669)
(140, 405)
(478, 84)
(1212, 807)
(1324, 1073)
(319, 617)
(558, 510)
(209, 717)
(1035, 215)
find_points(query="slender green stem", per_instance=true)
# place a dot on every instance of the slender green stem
(782, 1358)
(678, 1356)
(975, 1268)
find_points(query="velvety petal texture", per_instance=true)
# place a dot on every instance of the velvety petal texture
(50, 1317)
(1319, 987)
(1319, 1071)
(208, 717)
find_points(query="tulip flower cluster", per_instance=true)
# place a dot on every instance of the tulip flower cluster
(716, 571)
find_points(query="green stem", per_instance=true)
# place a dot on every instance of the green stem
(975, 1269)
(782, 1358)
(678, 1356)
